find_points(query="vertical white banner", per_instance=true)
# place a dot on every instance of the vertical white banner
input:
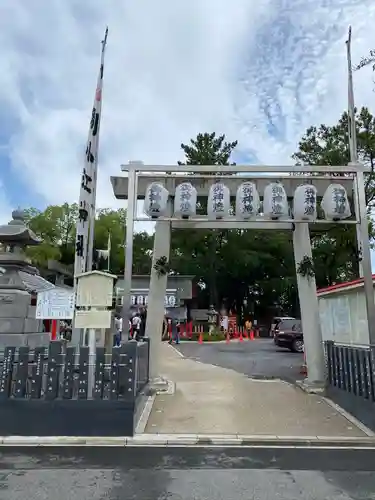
(87, 197)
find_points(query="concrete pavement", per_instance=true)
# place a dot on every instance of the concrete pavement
(213, 400)
(186, 474)
(259, 358)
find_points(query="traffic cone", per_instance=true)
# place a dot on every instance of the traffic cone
(251, 335)
(200, 341)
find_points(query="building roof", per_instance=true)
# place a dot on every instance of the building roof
(34, 283)
(147, 276)
(341, 287)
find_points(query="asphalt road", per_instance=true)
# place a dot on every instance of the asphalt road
(259, 358)
(186, 474)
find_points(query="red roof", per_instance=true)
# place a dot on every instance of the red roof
(339, 286)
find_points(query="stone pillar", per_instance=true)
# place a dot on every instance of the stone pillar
(156, 307)
(309, 311)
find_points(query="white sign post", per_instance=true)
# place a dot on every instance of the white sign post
(93, 309)
(56, 303)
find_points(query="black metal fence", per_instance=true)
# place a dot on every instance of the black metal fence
(351, 379)
(74, 394)
(351, 369)
(60, 372)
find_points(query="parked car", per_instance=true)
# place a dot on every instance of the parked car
(288, 333)
(276, 321)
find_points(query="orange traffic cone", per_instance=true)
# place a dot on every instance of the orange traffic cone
(251, 335)
(200, 340)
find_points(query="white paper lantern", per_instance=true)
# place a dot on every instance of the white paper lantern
(335, 203)
(218, 205)
(185, 200)
(156, 200)
(247, 201)
(275, 201)
(305, 202)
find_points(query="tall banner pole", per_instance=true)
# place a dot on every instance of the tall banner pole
(352, 133)
(95, 128)
(87, 196)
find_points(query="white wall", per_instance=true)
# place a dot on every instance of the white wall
(343, 317)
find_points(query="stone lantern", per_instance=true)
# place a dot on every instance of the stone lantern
(19, 284)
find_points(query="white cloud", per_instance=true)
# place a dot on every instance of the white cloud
(173, 69)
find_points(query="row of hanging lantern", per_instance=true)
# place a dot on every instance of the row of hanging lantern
(335, 203)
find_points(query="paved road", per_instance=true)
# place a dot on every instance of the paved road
(186, 474)
(259, 358)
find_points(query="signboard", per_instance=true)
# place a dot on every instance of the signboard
(140, 298)
(94, 289)
(93, 319)
(56, 303)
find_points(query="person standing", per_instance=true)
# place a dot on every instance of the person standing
(248, 327)
(118, 328)
(175, 326)
(143, 316)
(136, 324)
(164, 335)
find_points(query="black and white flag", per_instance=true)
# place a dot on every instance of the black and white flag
(87, 197)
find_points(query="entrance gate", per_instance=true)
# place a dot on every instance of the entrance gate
(159, 185)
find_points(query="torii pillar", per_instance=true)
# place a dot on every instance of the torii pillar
(156, 297)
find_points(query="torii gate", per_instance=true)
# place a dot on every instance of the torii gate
(139, 177)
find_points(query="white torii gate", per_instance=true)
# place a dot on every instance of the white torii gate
(139, 177)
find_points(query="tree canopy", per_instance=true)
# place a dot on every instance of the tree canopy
(248, 271)
(56, 225)
(335, 251)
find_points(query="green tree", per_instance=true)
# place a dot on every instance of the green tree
(56, 226)
(205, 149)
(335, 250)
(208, 149)
(236, 266)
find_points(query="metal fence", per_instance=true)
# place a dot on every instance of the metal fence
(351, 369)
(63, 372)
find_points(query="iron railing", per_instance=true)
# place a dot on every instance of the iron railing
(351, 368)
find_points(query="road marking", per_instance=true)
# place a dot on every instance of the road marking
(176, 350)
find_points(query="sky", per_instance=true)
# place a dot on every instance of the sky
(260, 71)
